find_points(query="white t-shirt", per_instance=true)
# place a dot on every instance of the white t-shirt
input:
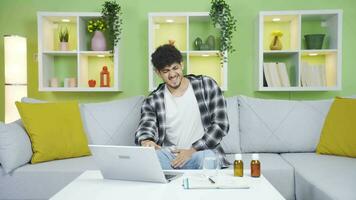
(184, 125)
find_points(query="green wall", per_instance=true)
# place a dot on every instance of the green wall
(19, 17)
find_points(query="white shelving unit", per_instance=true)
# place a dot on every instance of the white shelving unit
(307, 69)
(78, 62)
(184, 28)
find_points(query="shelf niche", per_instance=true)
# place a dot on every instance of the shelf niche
(79, 62)
(307, 69)
(183, 28)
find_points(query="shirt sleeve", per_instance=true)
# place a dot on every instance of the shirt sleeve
(147, 128)
(219, 123)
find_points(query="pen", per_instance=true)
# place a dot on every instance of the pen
(211, 180)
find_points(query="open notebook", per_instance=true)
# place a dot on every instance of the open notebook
(220, 182)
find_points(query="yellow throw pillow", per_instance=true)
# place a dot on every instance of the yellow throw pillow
(55, 130)
(338, 136)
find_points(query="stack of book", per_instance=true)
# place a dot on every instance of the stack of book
(313, 75)
(276, 74)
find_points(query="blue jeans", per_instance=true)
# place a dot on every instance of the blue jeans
(165, 157)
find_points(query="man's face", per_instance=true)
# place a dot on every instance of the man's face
(172, 75)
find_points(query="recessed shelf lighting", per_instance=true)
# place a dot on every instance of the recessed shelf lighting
(169, 20)
(205, 55)
(312, 54)
(276, 19)
(101, 56)
(65, 20)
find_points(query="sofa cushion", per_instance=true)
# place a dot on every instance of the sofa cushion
(55, 130)
(323, 177)
(281, 125)
(231, 142)
(112, 123)
(15, 146)
(275, 169)
(109, 122)
(338, 135)
(42, 180)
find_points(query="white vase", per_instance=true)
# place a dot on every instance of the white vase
(64, 46)
(98, 42)
(54, 82)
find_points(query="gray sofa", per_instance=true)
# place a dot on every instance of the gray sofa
(285, 133)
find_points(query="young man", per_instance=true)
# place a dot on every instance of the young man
(185, 117)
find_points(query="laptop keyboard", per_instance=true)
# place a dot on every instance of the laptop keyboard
(169, 176)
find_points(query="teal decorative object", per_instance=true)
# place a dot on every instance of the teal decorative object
(210, 41)
(314, 41)
(205, 47)
(197, 43)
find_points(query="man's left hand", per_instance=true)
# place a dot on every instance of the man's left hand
(183, 155)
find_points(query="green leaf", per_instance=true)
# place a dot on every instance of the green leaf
(220, 13)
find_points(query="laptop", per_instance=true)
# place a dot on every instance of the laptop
(132, 163)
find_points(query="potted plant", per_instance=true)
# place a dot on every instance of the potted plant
(314, 41)
(222, 18)
(63, 39)
(112, 15)
(98, 41)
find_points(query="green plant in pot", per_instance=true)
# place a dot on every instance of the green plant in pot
(112, 15)
(222, 18)
(63, 39)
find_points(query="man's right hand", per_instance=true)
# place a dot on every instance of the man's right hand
(150, 143)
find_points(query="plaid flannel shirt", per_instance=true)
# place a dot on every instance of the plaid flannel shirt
(212, 107)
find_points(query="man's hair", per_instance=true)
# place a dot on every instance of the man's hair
(165, 55)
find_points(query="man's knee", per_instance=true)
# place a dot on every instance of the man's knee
(203, 154)
(164, 158)
(199, 156)
(164, 154)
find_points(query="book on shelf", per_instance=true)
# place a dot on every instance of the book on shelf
(313, 75)
(264, 80)
(283, 74)
(276, 82)
(323, 75)
(303, 75)
(267, 74)
(276, 74)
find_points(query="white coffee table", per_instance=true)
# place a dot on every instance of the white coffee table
(91, 185)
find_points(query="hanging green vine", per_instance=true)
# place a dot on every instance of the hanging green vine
(112, 15)
(222, 18)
